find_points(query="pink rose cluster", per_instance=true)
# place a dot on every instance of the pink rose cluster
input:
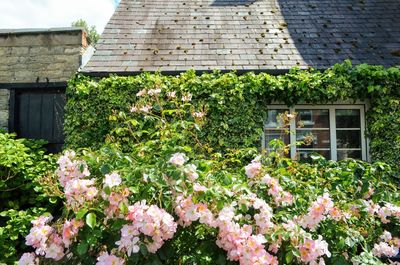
(115, 199)
(187, 97)
(129, 241)
(178, 159)
(312, 250)
(317, 212)
(264, 213)
(46, 241)
(199, 188)
(28, 259)
(264, 216)
(150, 92)
(144, 108)
(383, 212)
(198, 115)
(240, 243)
(389, 210)
(70, 230)
(155, 223)
(171, 94)
(253, 169)
(371, 207)
(69, 168)
(153, 92)
(190, 172)
(388, 247)
(109, 259)
(72, 174)
(276, 191)
(112, 180)
(336, 214)
(116, 196)
(189, 212)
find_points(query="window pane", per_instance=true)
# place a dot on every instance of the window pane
(315, 138)
(305, 155)
(343, 154)
(312, 118)
(313, 126)
(272, 120)
(348, 139)
(276, 134)
(348, 118)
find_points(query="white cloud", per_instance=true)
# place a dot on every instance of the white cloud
(54, 13)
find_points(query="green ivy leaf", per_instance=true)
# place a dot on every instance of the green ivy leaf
(105, 169)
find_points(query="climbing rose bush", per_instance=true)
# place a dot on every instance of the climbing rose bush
(173, 201)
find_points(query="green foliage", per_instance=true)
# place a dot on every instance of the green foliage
(348, 182)
(139, 149)
(235, 105)
(22, 163)
(384, 128)
(92, 36)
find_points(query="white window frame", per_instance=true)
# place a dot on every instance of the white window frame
(332, 126)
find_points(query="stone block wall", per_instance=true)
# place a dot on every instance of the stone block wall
(30, 56)
(4, 103)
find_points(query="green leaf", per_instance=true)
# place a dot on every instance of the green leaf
(105, 169)
(82, 248)
(129, 159)
(81, 213)
(91, 220)
(53, 200)
(289, 257)
(339, 260)
(123, 208)
(133, 122)
(143, 249)
(221, 260)
(107, 190)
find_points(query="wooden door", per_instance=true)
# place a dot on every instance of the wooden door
(40, 115)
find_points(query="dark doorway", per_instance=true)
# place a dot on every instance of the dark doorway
(39, 114)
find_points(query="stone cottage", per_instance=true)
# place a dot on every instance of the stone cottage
(261, 36)
(35, 67)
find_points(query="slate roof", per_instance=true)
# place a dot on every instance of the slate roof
(266, 35)
(38, 30)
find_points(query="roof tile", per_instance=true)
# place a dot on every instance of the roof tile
(175, 35)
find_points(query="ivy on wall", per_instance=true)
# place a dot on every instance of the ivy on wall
(236, 104)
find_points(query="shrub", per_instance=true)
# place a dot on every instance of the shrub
(22, 163)
(168, 199)
(236, 105)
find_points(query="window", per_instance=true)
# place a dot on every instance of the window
(334, 131)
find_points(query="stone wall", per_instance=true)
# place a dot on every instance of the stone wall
(4, 99)
(28, 56)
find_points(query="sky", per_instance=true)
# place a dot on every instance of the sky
(55, 13)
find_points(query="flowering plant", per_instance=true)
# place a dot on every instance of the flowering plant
(172, 201)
